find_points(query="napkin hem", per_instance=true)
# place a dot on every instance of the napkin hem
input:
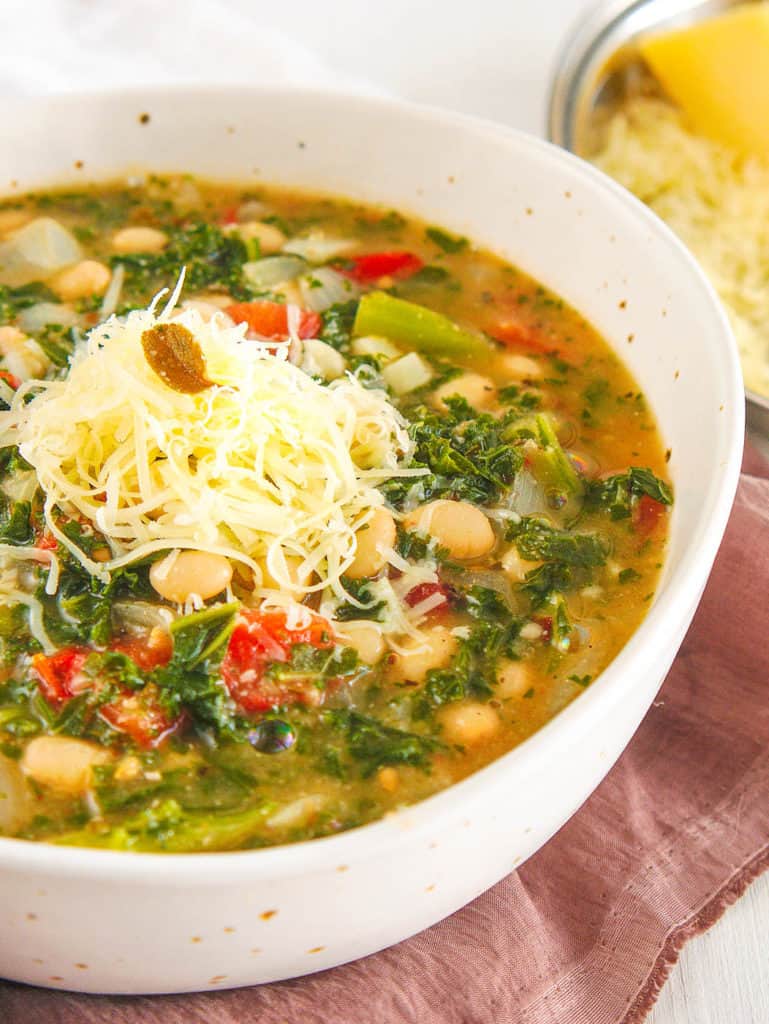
(698, 923)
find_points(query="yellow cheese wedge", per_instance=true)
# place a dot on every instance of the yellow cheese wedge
(717, 71)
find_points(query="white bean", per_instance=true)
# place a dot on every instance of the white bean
(520, 367)
(434, 650)
(22, 354)
(469, 723)
(270, 238)
(477, 390)
(374, 536)
(138, 239)
(182, 574)
(514, 678)
(365, 638)
(458, 526)
(89, 277)
(61, 762)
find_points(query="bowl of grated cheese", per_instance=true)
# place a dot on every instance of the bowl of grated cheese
(703, 167)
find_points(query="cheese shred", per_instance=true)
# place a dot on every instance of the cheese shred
(266, 466)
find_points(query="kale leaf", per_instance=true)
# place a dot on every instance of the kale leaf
(537, 540)
(374, 744)
(14, 300)
(618, 494)
(15, 522)
(337, 325)
(466, 454)
(360, 590)
(210, 256)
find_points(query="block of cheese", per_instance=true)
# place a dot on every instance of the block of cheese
(717, 71)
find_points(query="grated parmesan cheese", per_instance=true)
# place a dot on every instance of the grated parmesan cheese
(715, 200)
(266, 464)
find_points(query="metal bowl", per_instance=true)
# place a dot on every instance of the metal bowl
(599, 67)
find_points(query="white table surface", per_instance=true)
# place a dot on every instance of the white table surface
(492, 58)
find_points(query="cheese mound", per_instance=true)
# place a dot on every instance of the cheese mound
(715, 200)
(267, 466)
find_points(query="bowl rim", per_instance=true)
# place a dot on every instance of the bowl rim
(668, 615)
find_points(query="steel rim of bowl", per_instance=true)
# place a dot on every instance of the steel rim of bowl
(436, 810)
(579, 68)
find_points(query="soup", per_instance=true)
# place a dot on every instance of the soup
(348, 511)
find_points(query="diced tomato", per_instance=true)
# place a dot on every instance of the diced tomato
(140, 715)
(422, 591)
(60, 674)
(46, 542)
(229, 216)
(146, 652)
(10, 379)
(370, 267)
(261, 638)
(647, 515)
(511, 332)
(546, 623)
(270, 319)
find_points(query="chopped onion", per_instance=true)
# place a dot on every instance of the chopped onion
(112, 295)
(324, 287)
(34, 318)
(273, 270)
(140, 616)
(407, 373)
(37, 251)
(317, 248)
(527, 497)
(16, 803)
(491, 580)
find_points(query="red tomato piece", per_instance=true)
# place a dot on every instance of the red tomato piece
(147, 652)
(140, 715)
(229, 215)
(60, 675)
(370, 267)
(46, 542)
(270, 319)
(512, 333)
(10, 379)
(422, 591)
(546, 622)
(647, 515)
(261, 638)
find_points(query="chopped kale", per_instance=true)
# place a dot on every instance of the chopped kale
(57, 343)
(628, 576)
(81, 611)
(337, 324)
(618, 494)
(537, 540)
(552, 577)
(190, 681)
(15, 522)
(314, 666)
(445, 241)
(360, 590)
(430, 274)
(466, 454)
(374, 744)
(14, 300)
(212, 258)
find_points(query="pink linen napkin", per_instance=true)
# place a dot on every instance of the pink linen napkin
(588, 929)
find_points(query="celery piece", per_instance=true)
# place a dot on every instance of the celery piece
(167, 828)
(551, 464)
(422, 328)
(560, 629)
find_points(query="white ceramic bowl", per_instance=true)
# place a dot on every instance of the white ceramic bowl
(115, 922)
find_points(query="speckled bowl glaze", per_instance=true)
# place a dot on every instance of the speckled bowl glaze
(114, 922)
